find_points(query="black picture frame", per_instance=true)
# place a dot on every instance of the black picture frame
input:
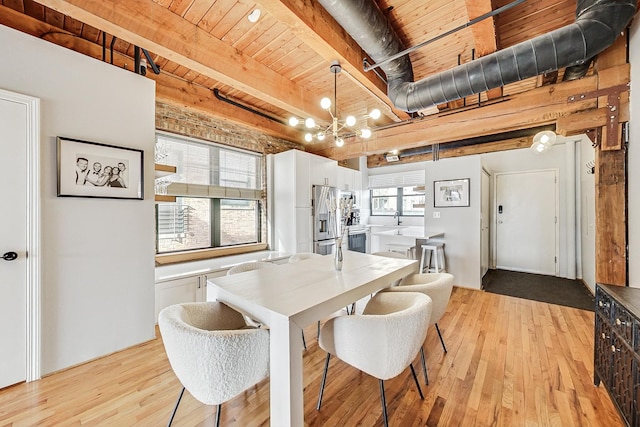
(92, 169)
(451, 193)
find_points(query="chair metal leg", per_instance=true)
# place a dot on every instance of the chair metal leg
(175, 408)
(424, 366)
(441, 340)
(384, 403)
(304, 342)
(415, 378)
(218, 412)
(324, 379)
(318, 334)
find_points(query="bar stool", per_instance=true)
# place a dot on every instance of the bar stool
(435, 252)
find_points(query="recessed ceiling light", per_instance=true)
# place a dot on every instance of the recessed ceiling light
(254, 16)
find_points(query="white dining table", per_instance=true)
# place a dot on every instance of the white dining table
(289, 297)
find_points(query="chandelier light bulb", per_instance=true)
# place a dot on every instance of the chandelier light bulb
(293, 121)
(310, 123)
(339, 142)
(325, 103)
(375, 114)
(366, 133)
(320, 136)
(351, 121)
(540, 147)
(308, 137)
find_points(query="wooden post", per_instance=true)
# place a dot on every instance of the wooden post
(610, 182)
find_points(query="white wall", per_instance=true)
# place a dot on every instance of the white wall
(633, 161)
(97, 254)
(461, 225)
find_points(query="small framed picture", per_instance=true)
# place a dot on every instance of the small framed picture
(451, 193)
(91, 169)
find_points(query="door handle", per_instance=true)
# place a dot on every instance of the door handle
(9, 256)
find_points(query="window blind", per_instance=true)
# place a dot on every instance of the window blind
(399, 179)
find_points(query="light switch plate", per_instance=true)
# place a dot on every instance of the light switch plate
(436, 214)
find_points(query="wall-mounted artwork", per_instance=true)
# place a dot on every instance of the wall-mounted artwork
(91, 169)
(451, 193)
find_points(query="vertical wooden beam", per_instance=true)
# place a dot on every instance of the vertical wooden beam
(611, 213)
(610, 191)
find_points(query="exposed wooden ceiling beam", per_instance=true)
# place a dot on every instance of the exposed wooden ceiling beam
(379, 160)
(484, 34)
(168, 88)
(312, 24)
(525, 110)
(151, 26)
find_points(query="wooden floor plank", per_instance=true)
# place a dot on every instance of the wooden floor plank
(510, 362)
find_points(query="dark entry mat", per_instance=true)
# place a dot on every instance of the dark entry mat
(538, 287)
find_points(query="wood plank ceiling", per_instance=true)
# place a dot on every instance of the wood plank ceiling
(280, 64)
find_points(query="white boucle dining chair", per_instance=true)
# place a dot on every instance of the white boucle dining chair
(212, 351)
(438, 286)
(249, 266)
(301, 256)
(382, 341)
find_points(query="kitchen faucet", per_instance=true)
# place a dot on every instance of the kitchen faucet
(397, 215)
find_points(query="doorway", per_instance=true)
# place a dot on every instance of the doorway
(19, 239)
(527, 221)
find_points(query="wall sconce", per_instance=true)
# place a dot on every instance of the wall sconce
(542, 141)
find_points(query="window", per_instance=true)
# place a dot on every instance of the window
(218, 193)
(406, 201)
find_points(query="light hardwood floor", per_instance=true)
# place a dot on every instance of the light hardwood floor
(511, 362)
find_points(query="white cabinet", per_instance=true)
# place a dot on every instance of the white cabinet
(348, 179)
(186, 289)
(294, 173)
(323, 170)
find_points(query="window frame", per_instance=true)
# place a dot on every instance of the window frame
(399, 199)
(215, 201)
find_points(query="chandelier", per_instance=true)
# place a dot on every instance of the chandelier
(337, 125)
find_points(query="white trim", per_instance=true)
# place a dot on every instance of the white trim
(33, 308)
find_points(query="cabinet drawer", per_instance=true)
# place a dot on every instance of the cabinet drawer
(622, 323)
(603, 303)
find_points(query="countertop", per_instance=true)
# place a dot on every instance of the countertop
(412, 232)
(212, 265)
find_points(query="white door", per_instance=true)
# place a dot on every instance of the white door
(526, 221)
(484, 224)
(13, 239)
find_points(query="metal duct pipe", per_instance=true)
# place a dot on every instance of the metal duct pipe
(598, 24)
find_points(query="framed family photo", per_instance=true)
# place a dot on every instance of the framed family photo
(91, 169)
(450, 193)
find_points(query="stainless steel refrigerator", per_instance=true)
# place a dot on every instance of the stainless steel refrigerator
(325, 220)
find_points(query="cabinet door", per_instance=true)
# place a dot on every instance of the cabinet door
(323, 171)
(341, 178)
(622, 380)
(302, 181)
(304, 232)
(188, 289)
(602, 345)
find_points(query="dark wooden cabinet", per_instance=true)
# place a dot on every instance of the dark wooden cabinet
(617, 348)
